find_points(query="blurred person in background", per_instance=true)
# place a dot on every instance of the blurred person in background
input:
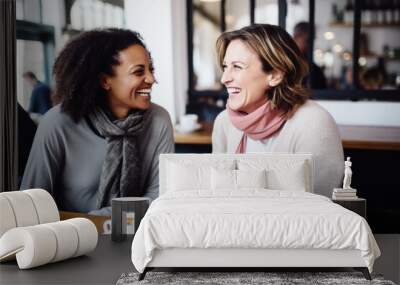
(372, 79)
(301, 35)
(40, 101)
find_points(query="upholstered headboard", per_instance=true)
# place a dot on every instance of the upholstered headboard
(284, 171)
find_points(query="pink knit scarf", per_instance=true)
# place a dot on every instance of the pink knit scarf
(258, 125)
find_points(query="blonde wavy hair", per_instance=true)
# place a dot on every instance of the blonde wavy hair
(277, 51)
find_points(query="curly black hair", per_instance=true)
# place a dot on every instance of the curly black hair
(79, 66)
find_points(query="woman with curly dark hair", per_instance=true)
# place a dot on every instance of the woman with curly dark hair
(268, 109)
(104, 139)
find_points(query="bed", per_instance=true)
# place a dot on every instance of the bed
(246, 211)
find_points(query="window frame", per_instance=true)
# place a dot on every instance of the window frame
(31, 31)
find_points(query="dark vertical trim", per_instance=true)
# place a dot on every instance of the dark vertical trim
(310, 52)
(356, 41)
(282, 12)
(49, 48)
(252, 11)
(68, 5)
(189, 23)
(222, 13)
(8, 98)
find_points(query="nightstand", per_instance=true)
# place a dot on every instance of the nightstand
(358, 206)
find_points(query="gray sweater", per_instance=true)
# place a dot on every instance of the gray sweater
(66, 158)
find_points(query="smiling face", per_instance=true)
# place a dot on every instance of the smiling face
(130, 86)
(243, 77)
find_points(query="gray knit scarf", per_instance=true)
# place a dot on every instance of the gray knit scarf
(120, 175)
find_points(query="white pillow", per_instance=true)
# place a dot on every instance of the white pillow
(292, 179)
(226, 179)
(193, 174)
(251, 178)
(223, 179)
(183, 177)
(281, 174)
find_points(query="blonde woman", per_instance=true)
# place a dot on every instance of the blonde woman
(268, 109)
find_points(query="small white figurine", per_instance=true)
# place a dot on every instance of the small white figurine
(347, 174)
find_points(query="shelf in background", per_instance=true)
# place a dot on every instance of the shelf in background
(350, 25)
(375, 56)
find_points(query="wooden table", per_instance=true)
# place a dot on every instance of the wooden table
(97, 220)
(200, 137)
(353, 137)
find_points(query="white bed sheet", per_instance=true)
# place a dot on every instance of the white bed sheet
(252, 218)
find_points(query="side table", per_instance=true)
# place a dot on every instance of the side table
(358, 205)
(121, 208)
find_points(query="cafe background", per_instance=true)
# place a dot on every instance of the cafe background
(355, 43)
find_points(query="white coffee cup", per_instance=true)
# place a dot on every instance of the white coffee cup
(188, 121)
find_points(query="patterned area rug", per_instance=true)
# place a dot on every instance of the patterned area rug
(269, 278)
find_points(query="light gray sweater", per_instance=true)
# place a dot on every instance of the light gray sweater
(66, 158)
(310, 130)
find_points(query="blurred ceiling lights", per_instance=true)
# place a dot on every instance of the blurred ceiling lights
(329, 36)
(337, 48)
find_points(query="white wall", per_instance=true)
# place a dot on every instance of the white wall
(364, 113)
(54, 15)
(31, 10)
(162, 23)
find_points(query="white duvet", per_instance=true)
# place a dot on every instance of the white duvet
(250, 219)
